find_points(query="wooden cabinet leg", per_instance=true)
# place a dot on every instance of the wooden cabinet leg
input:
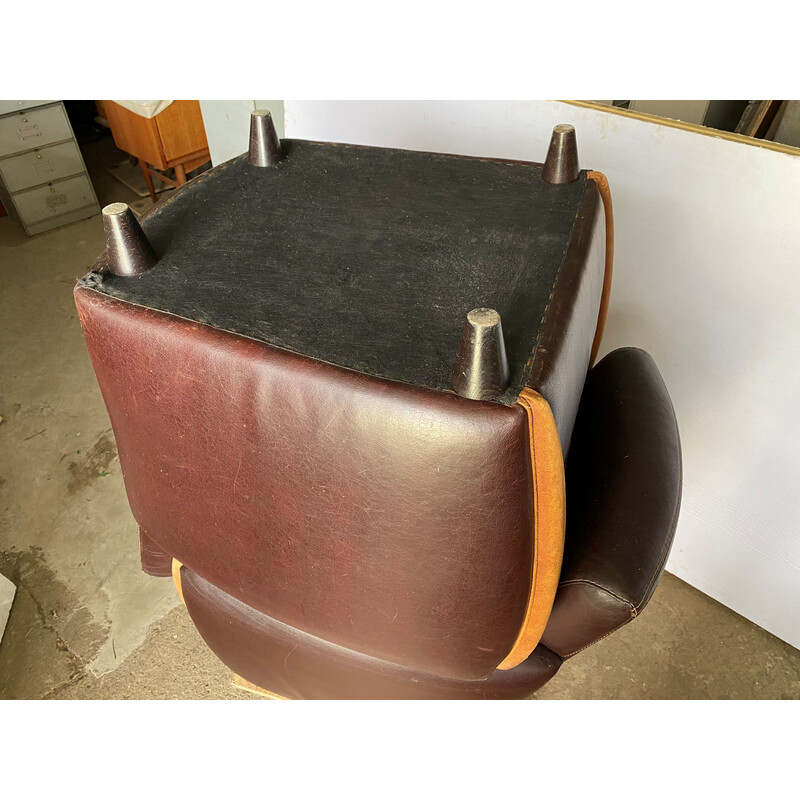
(180, 174)
(148, 179)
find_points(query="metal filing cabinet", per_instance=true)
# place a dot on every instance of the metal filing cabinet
(43, 180)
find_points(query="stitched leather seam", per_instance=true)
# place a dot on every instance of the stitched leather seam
(633, 613)
(636, 609)
(193, 322)
(546, 311)
(599, 638)
(602, 588)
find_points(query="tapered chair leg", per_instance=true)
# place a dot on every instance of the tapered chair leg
(128, 250)
(481, 370)
(265, 146)
(561, 164)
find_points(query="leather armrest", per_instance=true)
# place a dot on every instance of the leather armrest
(623, 478)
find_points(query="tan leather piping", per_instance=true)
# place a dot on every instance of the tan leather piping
(176, 577)
(605, 194)
(549, 518)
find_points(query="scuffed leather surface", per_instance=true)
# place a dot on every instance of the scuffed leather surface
(155, 560)
(561, 358)
(390, 520)
(293, 664)
(623, 497)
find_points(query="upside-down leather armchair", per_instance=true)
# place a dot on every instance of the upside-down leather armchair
(355, 405)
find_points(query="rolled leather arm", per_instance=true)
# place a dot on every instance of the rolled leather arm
(623, 477)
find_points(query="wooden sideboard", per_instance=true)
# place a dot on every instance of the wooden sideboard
(174, 139)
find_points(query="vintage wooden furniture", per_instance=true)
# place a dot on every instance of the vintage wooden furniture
(175, 138)
(343, 383)
(43, 179)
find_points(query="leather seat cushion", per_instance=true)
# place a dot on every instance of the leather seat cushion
(295, 665)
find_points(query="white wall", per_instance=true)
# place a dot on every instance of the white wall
(707, 279)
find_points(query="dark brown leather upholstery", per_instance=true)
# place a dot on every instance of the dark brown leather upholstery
(296, 665)
(623, 495)
(389, 519)
(561, 359)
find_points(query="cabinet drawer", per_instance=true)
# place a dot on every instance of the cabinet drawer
(54, 199)
(41, 166)
(34, 128)
(7, 106)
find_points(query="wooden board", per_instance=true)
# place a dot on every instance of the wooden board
(241, 683)
(690, 127)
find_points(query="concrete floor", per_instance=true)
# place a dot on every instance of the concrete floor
(87, 623)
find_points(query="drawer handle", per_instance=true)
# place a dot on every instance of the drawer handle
(28, 133)
(58, 200)
(43, 167)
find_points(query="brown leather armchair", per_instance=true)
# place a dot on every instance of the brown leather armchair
(344, 382)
